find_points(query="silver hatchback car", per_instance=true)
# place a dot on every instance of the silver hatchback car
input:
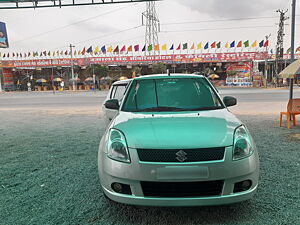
(171, 141)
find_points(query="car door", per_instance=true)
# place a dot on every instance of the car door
(117, 92)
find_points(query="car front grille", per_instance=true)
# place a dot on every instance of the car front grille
(181, 155)
(182, 189)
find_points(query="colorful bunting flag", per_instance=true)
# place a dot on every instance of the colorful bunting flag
(123, 49)
(298, 49)
(149, 48)
(288, 51)
(199, 45)
(116, 50)
(266, 44)
(179, 47)
(129, 49)
(184, 46)
(219, 44)
(232, 44)
(136, 48)
(193, 46)
(227, 45)
(164, 47)
(96, 50)
(240, 44)
(156, 47)
(83, 51)
(89, 50)
(172, 47)
(261, 44)
(213, 45)
(206, 45)
(109, 49)
(49, 53)
(103, 49)
(254, 44)
(144, 48)
(246, 44)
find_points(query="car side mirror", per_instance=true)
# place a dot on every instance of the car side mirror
(229, 101)
(112, 104)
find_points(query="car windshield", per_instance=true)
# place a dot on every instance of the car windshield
(171, 94)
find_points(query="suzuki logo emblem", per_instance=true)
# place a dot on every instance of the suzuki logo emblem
(181, 156)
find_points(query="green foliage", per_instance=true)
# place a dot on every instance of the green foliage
(137, 70)
(98, 70)
(159, 68)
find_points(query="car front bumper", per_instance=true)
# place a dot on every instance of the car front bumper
(133, 173)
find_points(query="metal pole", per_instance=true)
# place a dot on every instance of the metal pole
(266, 62)
(292, 44)
(0, 80)
(72, 67)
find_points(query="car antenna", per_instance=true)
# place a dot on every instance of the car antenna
(168, 72)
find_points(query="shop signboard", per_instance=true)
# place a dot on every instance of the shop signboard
(239, 74)
(124, 60)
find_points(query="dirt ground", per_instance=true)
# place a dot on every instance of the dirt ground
(48, 174)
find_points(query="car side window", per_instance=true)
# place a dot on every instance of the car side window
(113, 91)
(119, 92)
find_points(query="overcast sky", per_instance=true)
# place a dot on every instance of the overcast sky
(55, 28)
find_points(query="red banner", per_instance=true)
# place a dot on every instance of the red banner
(168, 59)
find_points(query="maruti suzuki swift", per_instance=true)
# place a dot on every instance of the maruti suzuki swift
(173, 142)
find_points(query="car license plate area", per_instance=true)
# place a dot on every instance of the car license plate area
(182, 172)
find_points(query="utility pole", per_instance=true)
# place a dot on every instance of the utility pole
(72, 67)
(152, 27)
(266, 61)
(279, 45)
(1, 73)
(292, 43)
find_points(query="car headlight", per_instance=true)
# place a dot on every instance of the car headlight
(117, 147)
(242, 146)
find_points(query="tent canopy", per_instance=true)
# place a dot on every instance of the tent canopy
(291, 71)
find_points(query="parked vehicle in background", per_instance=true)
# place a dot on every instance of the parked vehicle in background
(116, 91)
(173, 142)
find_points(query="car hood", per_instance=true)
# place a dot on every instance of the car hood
(203, 129)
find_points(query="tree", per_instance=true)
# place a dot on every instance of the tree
(159, 68)
(137, 70)
(98, 70)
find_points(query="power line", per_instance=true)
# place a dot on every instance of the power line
(110, 34)
(100, 37)
(222, 20)
(210, 29)
(72, 24)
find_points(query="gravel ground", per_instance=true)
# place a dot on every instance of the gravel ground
(48, 175)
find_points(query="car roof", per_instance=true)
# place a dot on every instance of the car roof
(120, 82)
(158, 76)
(175, 75)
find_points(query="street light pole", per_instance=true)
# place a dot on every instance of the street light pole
(72, 66)
(266, 61)
(292, 43)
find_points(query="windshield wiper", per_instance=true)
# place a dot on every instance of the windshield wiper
(206, 108)
(161, 109)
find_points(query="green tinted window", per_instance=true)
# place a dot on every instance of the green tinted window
(171, 94)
